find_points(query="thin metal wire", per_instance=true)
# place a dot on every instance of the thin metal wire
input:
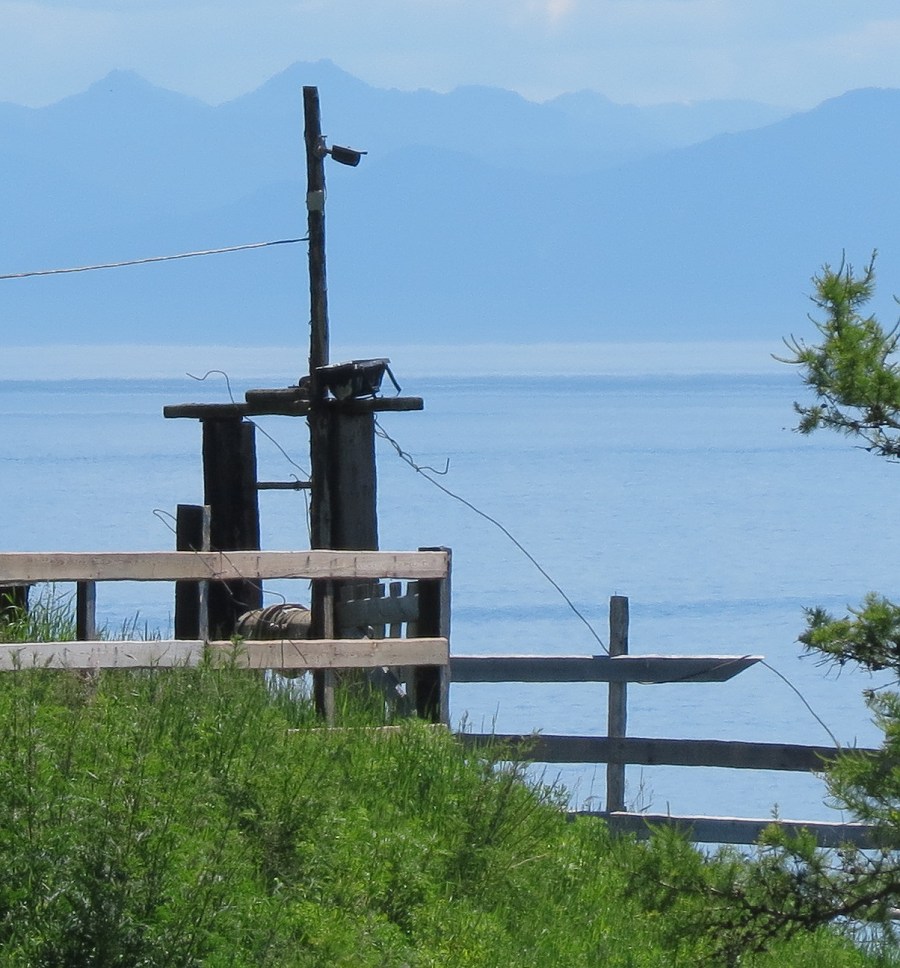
(424, 471)
(262, 430)
(161, 515)
(802, 699)
(155, 258)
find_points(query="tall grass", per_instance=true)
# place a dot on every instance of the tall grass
(50, 618)
(203, 817)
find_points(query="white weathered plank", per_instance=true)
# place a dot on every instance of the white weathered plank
(735, 830)
(219, 565)
(275, 654)
(599, 668)
(728, 754)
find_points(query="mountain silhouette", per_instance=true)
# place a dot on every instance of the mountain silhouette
(476, 215)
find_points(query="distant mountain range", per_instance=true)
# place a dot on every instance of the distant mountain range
(477, 216)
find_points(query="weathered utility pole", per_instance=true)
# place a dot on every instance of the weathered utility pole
(343, 512)
(315, 207)
(320, 501)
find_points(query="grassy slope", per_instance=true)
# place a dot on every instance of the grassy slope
(198, 817)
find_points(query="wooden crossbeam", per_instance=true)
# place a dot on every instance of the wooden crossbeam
(600, 668)
(362, 612)
(735, 830)
(730, 754)
(274, 654)
(219, 565)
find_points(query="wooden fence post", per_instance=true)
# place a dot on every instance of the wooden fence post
(618, 701)
(86, 611)
(432, 683)
(229, 488)
(13, 598)
(191, 534)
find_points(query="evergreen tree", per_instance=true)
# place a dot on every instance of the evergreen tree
(855, 375)
(792, 886)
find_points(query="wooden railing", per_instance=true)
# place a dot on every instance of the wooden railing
(428, 649)
(616, 749)
(355, 638)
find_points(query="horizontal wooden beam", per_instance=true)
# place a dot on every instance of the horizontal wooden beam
(219, 565)
(288, 408)
(599, 668)
(275, 654)
(361, 612)
(729, 754)
(735, 830)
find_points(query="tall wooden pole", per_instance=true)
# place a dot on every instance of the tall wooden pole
(315, 206)
(320, 510)
(343, 512)
(320, 505)
(320, 526)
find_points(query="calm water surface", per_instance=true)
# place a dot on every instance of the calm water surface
(688, 492)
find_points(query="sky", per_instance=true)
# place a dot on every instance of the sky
(794, 53)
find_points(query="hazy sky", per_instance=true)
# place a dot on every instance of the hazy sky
(792, 52)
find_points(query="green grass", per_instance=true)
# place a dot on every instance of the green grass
(203, 817)
(49, 619)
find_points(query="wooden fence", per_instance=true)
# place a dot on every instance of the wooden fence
(616, 749)
(427, 651)
(363, 625)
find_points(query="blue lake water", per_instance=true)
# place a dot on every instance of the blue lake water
(667, 474)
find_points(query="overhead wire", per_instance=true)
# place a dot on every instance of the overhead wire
(145, 261)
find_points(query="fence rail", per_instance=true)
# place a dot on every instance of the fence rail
(24, 567)
(640, 751)
(737, 830)
(617, 750)
(424, 609)
(90, 652)
(600, 668)
(279, 654)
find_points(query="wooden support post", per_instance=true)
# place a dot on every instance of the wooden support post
(13, 598)
(191, 534)
(86, 611)
(352, 482)
(618, 701)
(432, 683)
(229, 488)
(322, 619)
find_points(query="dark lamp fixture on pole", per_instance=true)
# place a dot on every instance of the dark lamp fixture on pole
(343, 156)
